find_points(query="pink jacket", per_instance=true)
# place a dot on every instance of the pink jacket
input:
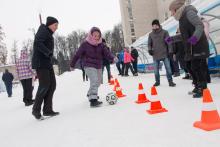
(127, 57)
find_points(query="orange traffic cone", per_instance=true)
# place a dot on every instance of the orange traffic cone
(116, 84)
(112, 81)
(156, 106)
(141, 95)
(153, 91)
(119, 92)
(210, 119)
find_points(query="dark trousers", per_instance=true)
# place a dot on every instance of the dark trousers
(85, 77)
(107, 66)
(47, 86)
(118, 65)
(199, 70)
(174, 66)
(134, 64)
(128, 66)
(123, 68)
(27, 90)
(9, 89)
(183, 64)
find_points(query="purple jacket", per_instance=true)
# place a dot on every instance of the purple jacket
(92, 56)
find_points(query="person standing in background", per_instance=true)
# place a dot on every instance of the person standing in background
(7, 78)
(134, 54)
(25, 75)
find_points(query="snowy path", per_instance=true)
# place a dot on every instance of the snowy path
(123, 125)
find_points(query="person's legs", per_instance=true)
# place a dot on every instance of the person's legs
(94, 82)
(48, 99)
(168, 69)
(156, 72)
(119, 68)
(23, 83)
(29, 91)
(126, 69)
(10, 89)
(44, 85)
(7, 86)
(199, 67)
(83, 74)
(131, 68)
(123, 69)
(108, 68)
(135, 66)
(168, 72)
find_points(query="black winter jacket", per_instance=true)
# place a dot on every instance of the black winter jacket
(43, 48)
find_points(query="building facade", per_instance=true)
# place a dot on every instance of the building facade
(137, 16)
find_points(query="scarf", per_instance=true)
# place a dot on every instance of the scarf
(92, 41)
(179, 12)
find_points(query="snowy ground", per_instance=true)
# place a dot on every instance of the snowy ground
(123, 125)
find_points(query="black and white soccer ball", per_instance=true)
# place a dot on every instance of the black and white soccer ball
(111, 98)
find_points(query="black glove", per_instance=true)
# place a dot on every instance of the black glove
(151, 52)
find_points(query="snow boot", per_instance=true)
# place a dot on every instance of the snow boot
(29, 103)
(187, 76)
(95, 103)
(172, 84)
(52, 113)
(157, 84)
(198, 94)
(37, 115)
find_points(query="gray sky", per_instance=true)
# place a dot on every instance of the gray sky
(17, 16)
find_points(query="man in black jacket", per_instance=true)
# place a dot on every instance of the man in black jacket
(42, 62)
(7, 78)
(134, 54)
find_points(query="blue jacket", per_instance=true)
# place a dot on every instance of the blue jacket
(121, 56)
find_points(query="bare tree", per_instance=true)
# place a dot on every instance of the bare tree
(3, 49)
(28, 45)
(115, 38)
(14, 51)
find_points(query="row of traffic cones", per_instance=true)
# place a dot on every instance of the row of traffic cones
(155, 106)
(210, 119)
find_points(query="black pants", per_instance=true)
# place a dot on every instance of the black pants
(27, 90)
(85, 77)
(118, 65)
(107, 66)
(134, 64)
(174, 64)
(199, 70)
(128, 66)
(123, 68)
(9, 88)
(47, 86)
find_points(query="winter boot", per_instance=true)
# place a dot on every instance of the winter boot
(95, 103)
(172, 84)
(198, 93)
(29, 103)
(51, 113)
(37, 115)
(176, 74)
(157, 84)
(187, 76)
(135, 74)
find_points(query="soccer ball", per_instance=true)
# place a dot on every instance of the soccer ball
(111, 98)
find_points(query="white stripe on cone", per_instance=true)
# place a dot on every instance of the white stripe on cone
(208, 106)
